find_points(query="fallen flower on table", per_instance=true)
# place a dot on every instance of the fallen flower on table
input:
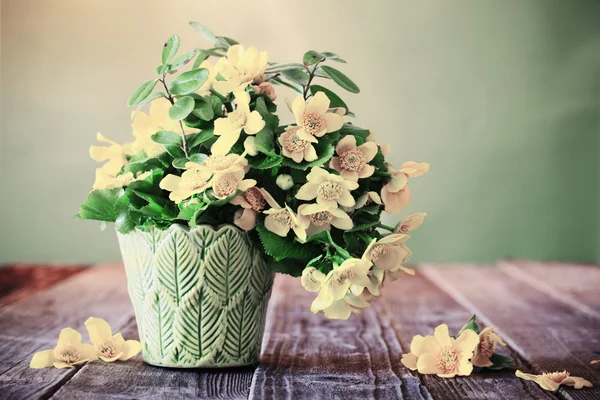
(109, 347)
(595, 362)
(447, 356)
(442, 354)
(553, 380)
(69, 351)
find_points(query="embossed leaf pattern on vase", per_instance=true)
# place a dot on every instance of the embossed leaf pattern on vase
(200, 296)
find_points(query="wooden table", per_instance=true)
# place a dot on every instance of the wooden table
(549, 314)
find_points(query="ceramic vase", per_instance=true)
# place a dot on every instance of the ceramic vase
(200, 295)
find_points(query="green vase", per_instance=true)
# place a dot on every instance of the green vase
(200, 295)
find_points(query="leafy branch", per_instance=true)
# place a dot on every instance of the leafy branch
(169, 97)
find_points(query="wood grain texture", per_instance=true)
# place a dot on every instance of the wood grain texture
(306, 356)
(22, 280)
(33, 323)
(136, 380)
(550, 334)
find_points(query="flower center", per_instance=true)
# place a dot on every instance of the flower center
(379, 250)
(67, 353)
(313, 123)
(321, 218)
(283, 218)
(109, 349)
(220, 163)
(353, 160)
(294, 143)
(225, 185)
(487, 346)
(238, 119)
(329, 190)
(557, 376)
(447, 359)
(255, 198)
(339, 278)
(192, 179)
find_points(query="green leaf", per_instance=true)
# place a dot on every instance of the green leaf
(200, 138)
(283, 67)
(175, 151)
(341, 79)
(145, 164)
(170, 49)
(265, 163)
(212, 201)
(189, 81)
(225, 42)
(182, 108)
(334, 99)
(281, 248)
(203, 109)
(333, 57)
(142, 92)
(296, 75)
(198, 158)
(162, 68)
(293, 86)
(321, 237)
(500, 361)
(289, 267)
(261, 107)
(312, 57)
(182, 60)
(166, 137)
(264, 142)
(364, 221)
(470, 324)
(100, 205)
(204, 31)
(127, 220)
(179, 163)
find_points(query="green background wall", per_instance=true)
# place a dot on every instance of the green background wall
(501, 97)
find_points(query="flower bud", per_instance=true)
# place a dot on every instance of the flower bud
(249, 146)
(285, 182)
(258, 79)
(267, 89)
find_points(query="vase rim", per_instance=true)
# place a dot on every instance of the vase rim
(186, 228)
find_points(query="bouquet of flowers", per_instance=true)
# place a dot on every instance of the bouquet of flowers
(212, 150)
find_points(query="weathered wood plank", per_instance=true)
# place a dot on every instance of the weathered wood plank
(577, 285)
(19, 281)
(33, 323)
(414, 306)
(136, 380)
(306, 356)
(551, 334)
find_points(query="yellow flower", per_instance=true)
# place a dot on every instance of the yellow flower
(488, 340)
(335, 298)
(312, 279)
(353, 161)
(225, 184)
(389, 253)
(252, 202)
(221, 164)
(553, 380)
(213, 71)
(145, 125)
(316, 218)
(69, 351)
(410, 222)
(115, 154)
(328, 189)
(396, 193)
(441, 354)
(314, 118)
(292, 146)
(108, 181)
(249, 146)
(110, 347)
(193, 181)
(241, 68)
(280, 220)
(228, 129)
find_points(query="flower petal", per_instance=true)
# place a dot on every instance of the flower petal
(319, 104)
(338, 310)
(42, 359)
(98, 329)
(427, 364)
(273, 226)
(254, 124)
(298, 108)
(346, 199)
(68, 336)
(310, 154)
(334, 122)
(60, 365)
(130, 349)
(308, 191)
(369, 149)
(346, 144)
(410, 361)
(442, 336)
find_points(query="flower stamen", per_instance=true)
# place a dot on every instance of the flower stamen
(329, 190)
(447, 359)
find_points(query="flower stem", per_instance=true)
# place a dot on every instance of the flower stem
(172, 101)
(365, 238)
(386, 227)
(311, 76)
